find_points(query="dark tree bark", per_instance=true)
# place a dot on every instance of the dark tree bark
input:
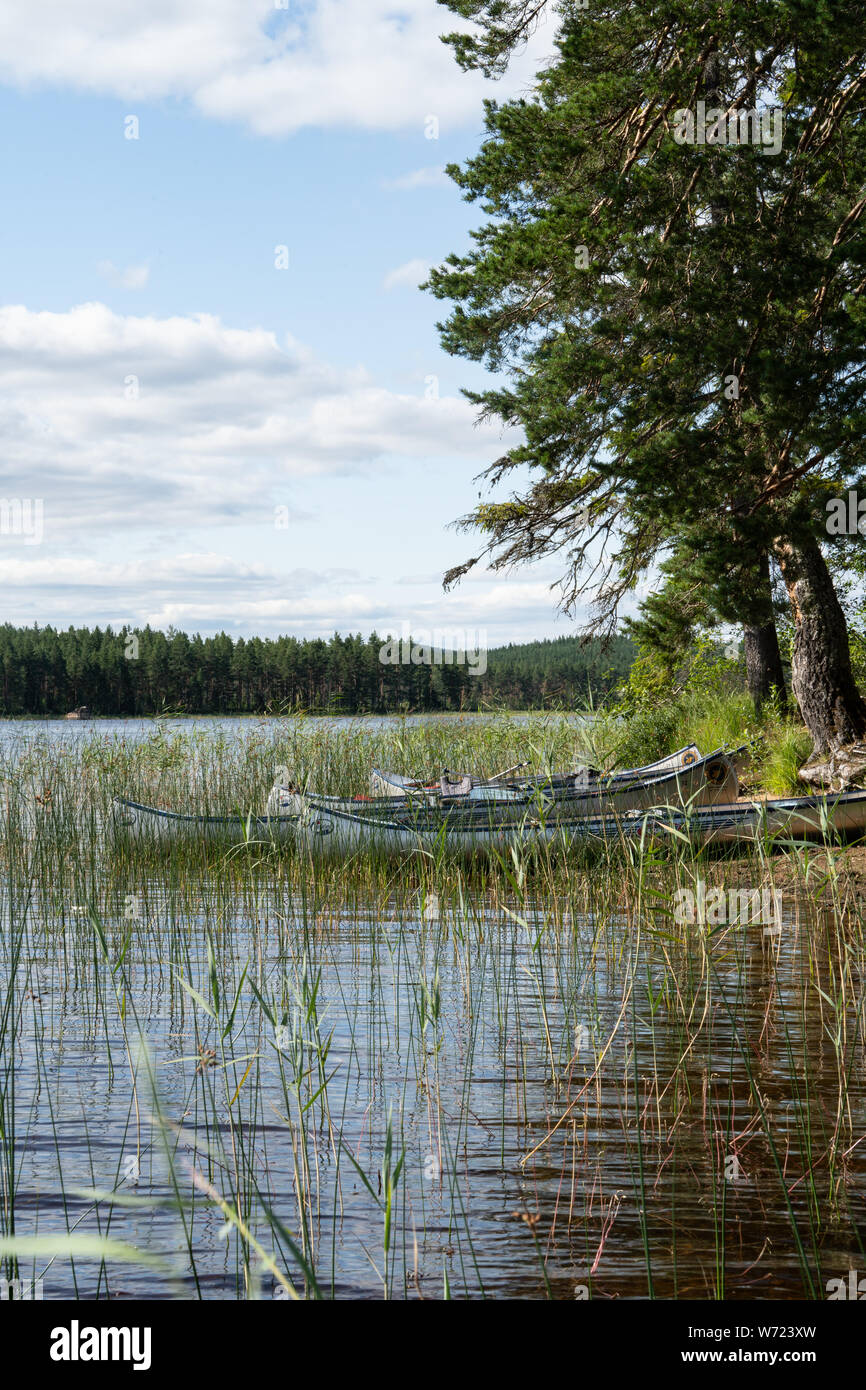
(765, 676)
(821, 676)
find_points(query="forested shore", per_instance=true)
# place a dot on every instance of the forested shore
(45, 671)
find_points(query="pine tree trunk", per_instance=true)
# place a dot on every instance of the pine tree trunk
(765, 677)
(821, 677)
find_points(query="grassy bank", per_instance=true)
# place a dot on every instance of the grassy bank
(777, 746)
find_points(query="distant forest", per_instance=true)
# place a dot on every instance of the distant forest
(142, 671)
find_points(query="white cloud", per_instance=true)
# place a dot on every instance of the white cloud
(207, 591)
(432, 176)
(119, 421)
(355, 63)
(409, 275)
(134, 277)
(78, 572)
(194, 591)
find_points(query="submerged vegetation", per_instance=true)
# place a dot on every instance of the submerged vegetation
(243, 1073)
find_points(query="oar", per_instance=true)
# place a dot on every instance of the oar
(515, 768)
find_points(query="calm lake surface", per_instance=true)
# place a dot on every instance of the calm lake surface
(494, 1093)
(12, 730)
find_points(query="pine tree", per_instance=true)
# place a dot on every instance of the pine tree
(677, 327)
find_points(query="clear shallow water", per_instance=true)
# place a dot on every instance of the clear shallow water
(476, 1035)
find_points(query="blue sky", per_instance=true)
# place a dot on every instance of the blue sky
(168, 390)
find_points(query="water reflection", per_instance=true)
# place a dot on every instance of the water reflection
(577, 1105)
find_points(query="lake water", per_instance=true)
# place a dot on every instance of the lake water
(12, 730)
(495, 1091)
(471, 1086)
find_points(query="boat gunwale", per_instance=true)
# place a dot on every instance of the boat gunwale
(526, 794)
(722, 813)
(721, 816)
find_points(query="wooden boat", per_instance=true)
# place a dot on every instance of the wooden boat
(395, 784)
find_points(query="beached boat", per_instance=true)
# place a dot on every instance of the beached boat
(332, 824)
(328, 824)
(700, 782)
(831, 816)
(483, 811)
(383, 783)
(345, 826)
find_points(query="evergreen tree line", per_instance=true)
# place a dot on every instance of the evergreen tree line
(45, 671)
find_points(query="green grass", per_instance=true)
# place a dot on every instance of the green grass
(787, 749)
(777, 747)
